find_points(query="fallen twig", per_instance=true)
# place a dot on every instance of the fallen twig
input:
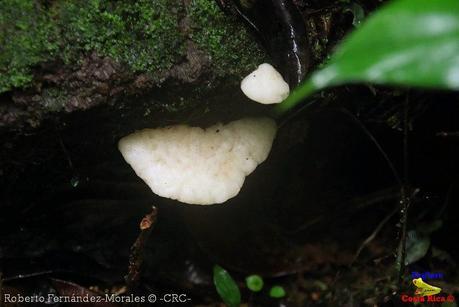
(136, 256)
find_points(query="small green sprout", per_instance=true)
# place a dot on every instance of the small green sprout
(277, 292)
(254, 283)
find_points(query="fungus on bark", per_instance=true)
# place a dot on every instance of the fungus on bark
(265, 85)
(199, 166)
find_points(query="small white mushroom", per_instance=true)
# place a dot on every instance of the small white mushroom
(265, 85)
(195, 165)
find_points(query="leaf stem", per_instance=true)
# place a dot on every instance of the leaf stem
(298, 95)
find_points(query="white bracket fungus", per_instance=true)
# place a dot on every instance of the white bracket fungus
(195, 165)
(265, 85)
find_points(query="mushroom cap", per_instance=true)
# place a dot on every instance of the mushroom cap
(195, 165)
(265, 85)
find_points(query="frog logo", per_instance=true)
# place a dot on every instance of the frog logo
(424, 289)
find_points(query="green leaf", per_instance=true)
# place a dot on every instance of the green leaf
(416, 247)
(226, 287)
(407, 43)
(277, 292)
(254, 283)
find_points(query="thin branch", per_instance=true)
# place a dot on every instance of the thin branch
(405, 141)
(29, 275)
(137, 249)
(405, 199)
(284, 119)
(376, 143)
(373, 235)
(446, 202)
(66, 152)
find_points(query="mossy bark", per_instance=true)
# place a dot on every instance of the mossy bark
(72, 55)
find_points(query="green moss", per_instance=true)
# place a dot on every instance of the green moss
(26, 39)
(232, 49)
(144, 35)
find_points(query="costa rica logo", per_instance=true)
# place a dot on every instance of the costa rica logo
(424, 289)
(426, 293)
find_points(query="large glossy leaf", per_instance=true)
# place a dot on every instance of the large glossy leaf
(406, 42)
